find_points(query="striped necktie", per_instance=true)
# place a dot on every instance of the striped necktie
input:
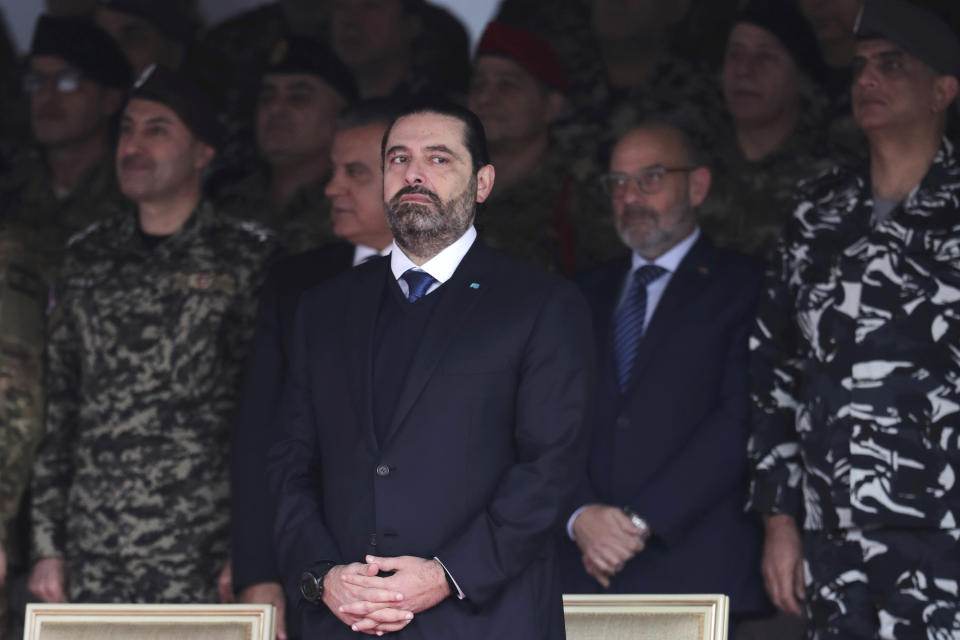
(629, 321)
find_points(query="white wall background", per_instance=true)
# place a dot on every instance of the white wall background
(20, 15)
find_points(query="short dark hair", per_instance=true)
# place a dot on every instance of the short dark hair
(475, 138)
(366, 112)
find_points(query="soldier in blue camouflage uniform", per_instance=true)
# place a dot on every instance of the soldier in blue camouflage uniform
(856, 370)
(146, 343)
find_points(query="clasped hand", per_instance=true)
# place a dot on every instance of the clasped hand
(377, 605)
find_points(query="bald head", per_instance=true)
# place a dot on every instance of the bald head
(655, 184)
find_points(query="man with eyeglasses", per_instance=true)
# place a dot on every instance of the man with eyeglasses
(855, 363)
(660, 508)
(75, 79)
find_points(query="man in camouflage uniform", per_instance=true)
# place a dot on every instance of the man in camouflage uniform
(771, 62)
(634, 76)
(131, 490)
(855, 366)
(537, 213)
(74, 81)
(301, 94)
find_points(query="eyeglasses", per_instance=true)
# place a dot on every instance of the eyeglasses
(649, 180)
(63, 82)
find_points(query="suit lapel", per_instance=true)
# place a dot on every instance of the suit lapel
(361, 320)
(464, 290)
(686, 285)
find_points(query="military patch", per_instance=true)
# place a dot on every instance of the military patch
(205, 282)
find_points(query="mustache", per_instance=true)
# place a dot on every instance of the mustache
(639, 210)
(136, 161)
(418, 190)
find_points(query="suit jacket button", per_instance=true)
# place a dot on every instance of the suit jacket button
(383, 470)
(623, 422)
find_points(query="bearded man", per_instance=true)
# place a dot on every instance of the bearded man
(660, 507)
(431, 432)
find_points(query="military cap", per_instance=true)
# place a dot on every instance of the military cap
(185, 96)
(176, 19)
(311, 56)
(918, 31)
(84, 45)
(791, 28)
(528, 50)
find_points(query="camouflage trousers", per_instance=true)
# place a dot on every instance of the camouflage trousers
(883, 583)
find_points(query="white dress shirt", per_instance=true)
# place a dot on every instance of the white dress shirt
(361, 253)
(440, 266)
(669, 261)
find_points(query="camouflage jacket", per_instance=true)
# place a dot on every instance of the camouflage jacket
(602, 113)
(145, 348)
(23, 301)
(304, 223)
(855, 363)
(547, 221)
(29, 200)
(750, 201)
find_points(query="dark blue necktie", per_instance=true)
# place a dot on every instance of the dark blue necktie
(418, 282)
(628, 325)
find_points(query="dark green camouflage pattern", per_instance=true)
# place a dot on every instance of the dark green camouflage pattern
(304, 223)
(145, 348)
(549, 221)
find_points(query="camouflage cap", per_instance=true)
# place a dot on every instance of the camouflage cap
(84, 45)
(528, 50)
(176, 19)
(918, 31)
(791, 28)
(311, 56)
(188, 99)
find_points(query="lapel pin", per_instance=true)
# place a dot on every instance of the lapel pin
(474, 285)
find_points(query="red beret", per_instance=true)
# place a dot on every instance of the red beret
(530, 51)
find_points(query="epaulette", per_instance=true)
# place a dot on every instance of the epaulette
(257, 230)
(83, 233)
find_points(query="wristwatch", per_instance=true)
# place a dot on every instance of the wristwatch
(642, 527)
(311, 582)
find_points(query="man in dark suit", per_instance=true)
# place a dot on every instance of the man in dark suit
(432, 424)
(661, 506)
(355, 191)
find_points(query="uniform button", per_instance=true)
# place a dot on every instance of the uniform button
(623, 422)
(373, 540)
(383, 470)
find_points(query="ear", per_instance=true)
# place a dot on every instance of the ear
(700, 179)
(203, 154)
(485, 179)
(553, 105)
(944, 92)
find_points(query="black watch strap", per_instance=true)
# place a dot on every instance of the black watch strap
(311, 582)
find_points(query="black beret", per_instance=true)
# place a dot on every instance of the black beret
(791, 28)
(308, 55)
(192, 103)
(916, 30)
(176, 19)
(84, 45)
